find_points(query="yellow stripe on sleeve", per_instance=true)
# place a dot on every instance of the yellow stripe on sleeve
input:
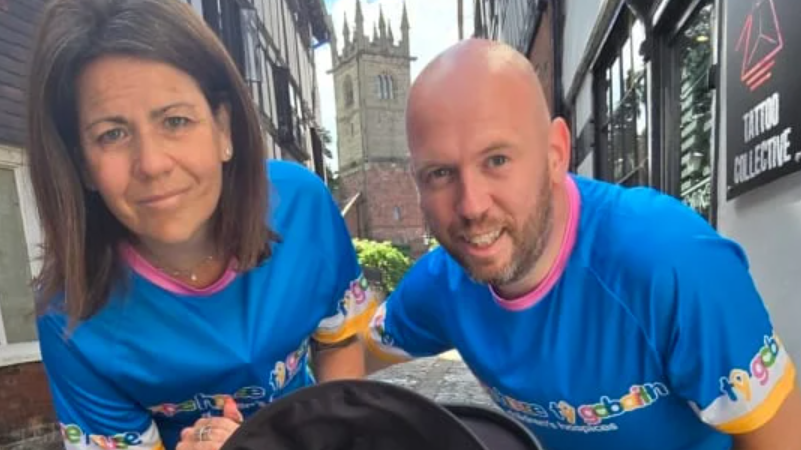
(767, 409)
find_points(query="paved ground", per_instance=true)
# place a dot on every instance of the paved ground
(443, 378)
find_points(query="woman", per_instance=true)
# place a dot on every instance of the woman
(173, 300)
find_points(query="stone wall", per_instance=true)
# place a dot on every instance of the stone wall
(349, 125)
(385, 118)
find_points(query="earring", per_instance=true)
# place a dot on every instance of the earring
(228, 153)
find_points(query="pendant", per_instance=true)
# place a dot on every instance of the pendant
(193, 277)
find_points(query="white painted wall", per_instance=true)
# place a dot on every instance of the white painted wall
(580, 17)
(197, 5)
(587, 167)
(767, 223)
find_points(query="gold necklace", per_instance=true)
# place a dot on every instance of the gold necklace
(178, 273)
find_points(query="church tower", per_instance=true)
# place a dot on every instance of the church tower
(372, 79)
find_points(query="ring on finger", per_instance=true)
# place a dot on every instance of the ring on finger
(202, 433)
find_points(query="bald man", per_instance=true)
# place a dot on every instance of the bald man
(601, 317)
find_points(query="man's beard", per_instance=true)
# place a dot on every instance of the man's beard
(528, 244)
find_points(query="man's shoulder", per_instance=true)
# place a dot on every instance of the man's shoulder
(636, 227)
(437, 274)
(638, 242)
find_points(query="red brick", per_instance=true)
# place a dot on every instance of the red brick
(383, 187)
(26, 406)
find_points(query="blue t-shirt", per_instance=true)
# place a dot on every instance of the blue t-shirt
(648, 334)
(158, 358)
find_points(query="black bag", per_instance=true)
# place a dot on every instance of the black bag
(374, 415)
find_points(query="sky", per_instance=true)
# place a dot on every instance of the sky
(433, 28)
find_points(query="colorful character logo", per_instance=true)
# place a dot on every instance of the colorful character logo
(285, 371)
(563, 411)
(380, 329)
(737, 386)
(278, 376)
(355, 295)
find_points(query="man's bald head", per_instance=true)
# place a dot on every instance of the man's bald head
(487, 159)
(477, 66)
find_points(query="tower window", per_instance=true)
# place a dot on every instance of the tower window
(396, 213)
(385, 87)
(348, 88)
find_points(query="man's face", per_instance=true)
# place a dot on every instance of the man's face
(481, 165)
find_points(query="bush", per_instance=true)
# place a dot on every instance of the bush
(385, 258)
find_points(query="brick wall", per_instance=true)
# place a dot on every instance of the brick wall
(27, 420)
(385, 187)
(349, 185)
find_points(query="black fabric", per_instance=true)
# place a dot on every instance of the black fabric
(363, 415)
(495, 429)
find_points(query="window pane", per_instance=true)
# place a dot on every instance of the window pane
(628, 115)
(637, 39)
(620, 93)
(617, 82)
(604, 106)
(642, 128)
(695, 111)
(16, 298)
(618, 161)
(626, 57)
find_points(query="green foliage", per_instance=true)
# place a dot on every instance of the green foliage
(384, 257)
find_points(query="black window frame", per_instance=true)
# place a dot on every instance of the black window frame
(606, 107)
(673, 23)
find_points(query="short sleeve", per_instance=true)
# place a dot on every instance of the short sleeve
(408, 324)
(352, 302)
(724, 357)
(93, 414)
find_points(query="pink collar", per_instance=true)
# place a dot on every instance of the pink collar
(565, 249)
(149, 272)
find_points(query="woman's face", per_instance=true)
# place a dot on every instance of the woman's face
(153, 146)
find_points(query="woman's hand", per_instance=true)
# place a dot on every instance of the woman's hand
(210, 433)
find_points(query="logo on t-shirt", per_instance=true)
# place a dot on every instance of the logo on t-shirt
(76, 439)
(285, 371)
(740, 383)
(248, 397)
(748, 391)
(586, 418)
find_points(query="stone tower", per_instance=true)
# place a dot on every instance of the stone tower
(371, 79)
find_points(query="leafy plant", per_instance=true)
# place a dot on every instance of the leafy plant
(385, 258)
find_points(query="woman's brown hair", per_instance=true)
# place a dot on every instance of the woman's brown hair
(81, 236)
